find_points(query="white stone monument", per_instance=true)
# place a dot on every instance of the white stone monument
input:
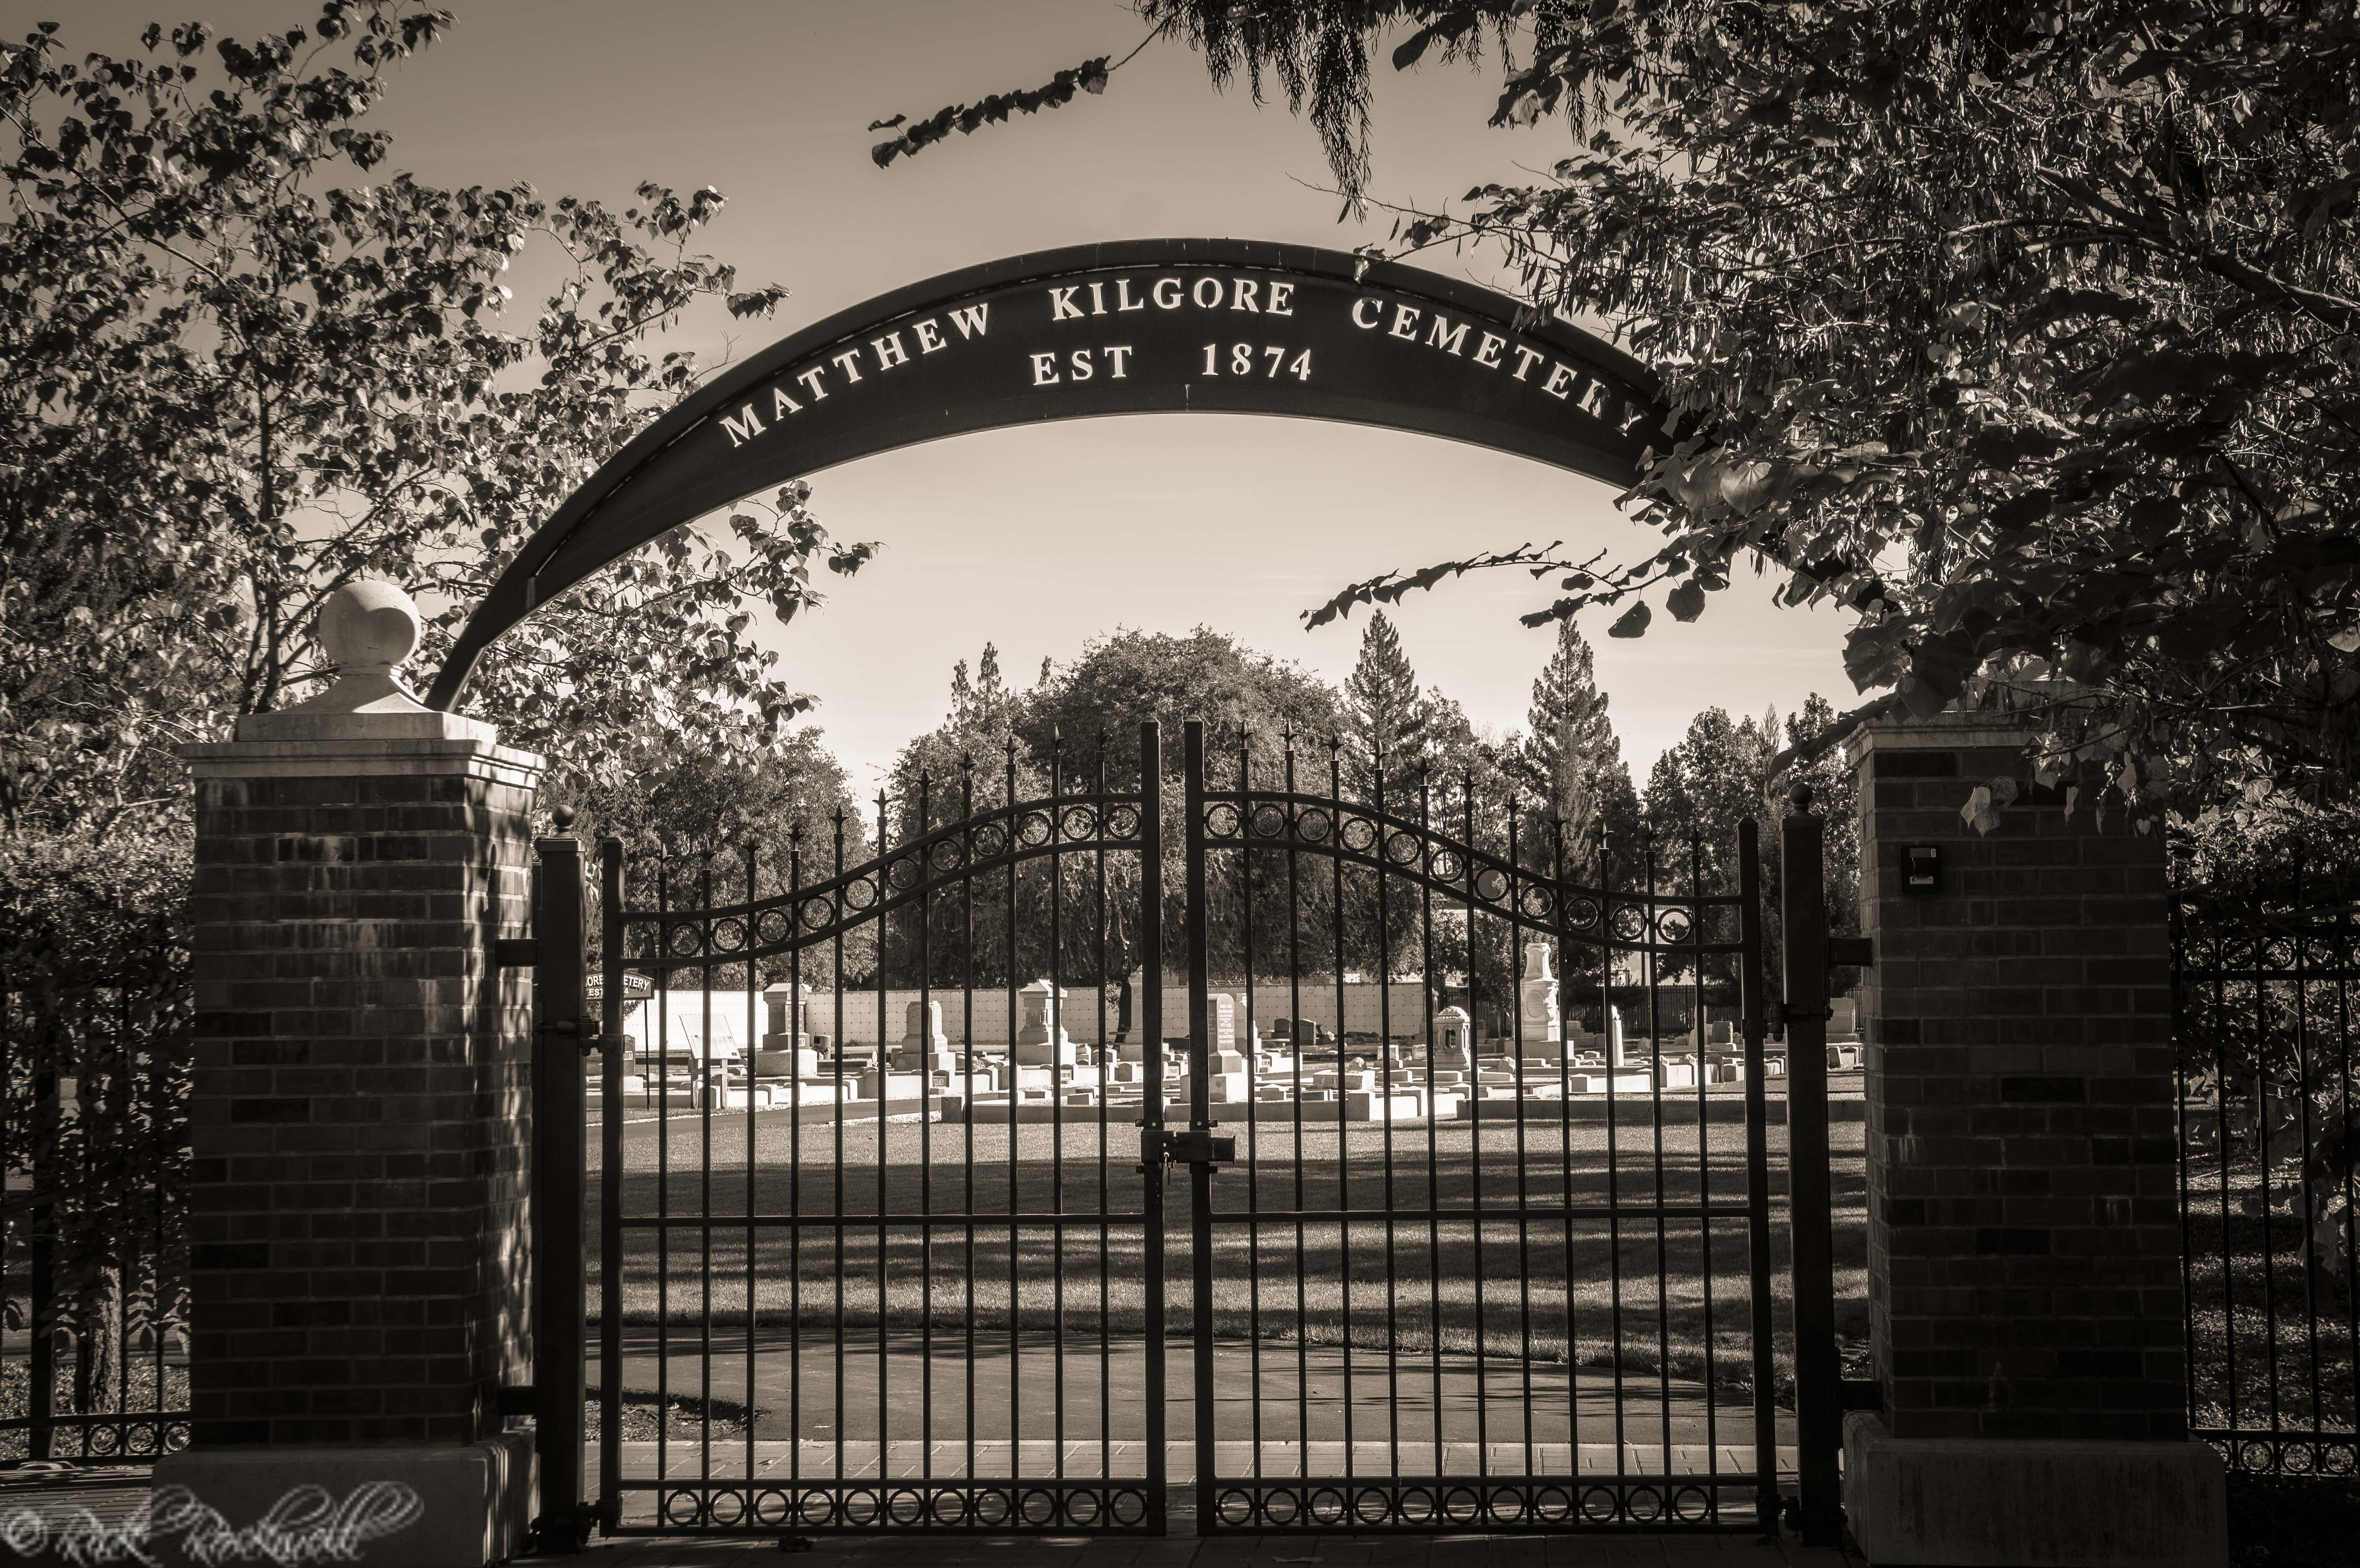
(1537, 994)
(924, 1045)
(786, 1049)
(1041, 1042)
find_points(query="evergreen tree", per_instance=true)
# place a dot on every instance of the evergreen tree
(1572, 761)
(1385, 715)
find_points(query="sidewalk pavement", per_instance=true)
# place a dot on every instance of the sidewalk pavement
(1575, 1549)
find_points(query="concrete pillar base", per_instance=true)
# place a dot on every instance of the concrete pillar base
(1971, 1502)
(450, 1506)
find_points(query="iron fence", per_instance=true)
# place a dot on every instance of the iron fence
(2263, 991)
(95, 1034)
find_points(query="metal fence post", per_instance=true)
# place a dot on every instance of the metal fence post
(1819, 1392)
(1149, 1010)
(561, 1030)
(1200, 1113)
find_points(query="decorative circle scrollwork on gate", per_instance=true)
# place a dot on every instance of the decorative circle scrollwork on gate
(1445, 864)
(1628, 924)
(816, 913)
(990, 841)
(1401, 848)
(687, 942)
(1360, 834)
(1121, 821)
(1491, 884)
(1269, 821)
(946, 855)
(1222, 821)
(1675, 925)
(1312, 826)
(859, 893)
(904, 873)
(1538, 903)
(1079, 824)
(724, 1508)
(771, 927)
(1580, 912)
(729, 935)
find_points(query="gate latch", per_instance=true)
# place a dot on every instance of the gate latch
(1191, 1146)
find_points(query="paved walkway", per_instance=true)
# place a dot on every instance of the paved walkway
(1594, 1549)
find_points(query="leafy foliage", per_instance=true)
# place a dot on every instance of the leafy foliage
(1090, 76)
(2025, 330)
(244, 365)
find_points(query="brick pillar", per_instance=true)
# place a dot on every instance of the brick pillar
(358, 1116)
(2024, 1238)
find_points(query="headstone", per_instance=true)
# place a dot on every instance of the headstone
(786, 1006)
(1537, 994)
(924, 1046)
(1454, 1040)
(1221, 1017)
(1041, 1042)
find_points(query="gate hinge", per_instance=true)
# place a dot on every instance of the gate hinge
(1853, 951)
(515, 951)
(1190, 1146)
(1778, 1015)
(583, 1032)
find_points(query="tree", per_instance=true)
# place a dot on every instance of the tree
(1386, 716)
(243, 366)
(1702, 788)
(2025, 331)
(1128, 676)
(1572, 758)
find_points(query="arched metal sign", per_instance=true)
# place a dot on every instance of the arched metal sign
(1148, 326)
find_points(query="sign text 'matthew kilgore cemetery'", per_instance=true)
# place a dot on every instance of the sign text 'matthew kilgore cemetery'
(1225, 339)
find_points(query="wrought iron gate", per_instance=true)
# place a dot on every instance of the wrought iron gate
(1466, 1241)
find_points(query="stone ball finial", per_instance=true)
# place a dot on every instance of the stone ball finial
(1801, 795)
(368, 628)
(365, 629)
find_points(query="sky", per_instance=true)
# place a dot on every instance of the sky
(1038, 539)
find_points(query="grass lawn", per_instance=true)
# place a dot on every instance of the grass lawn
(1402, 1286)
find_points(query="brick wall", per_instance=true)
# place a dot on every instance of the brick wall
(2023, 1243)
(358, 1119)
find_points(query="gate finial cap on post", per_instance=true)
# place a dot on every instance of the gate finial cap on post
(365, 629)
(1800, 797)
